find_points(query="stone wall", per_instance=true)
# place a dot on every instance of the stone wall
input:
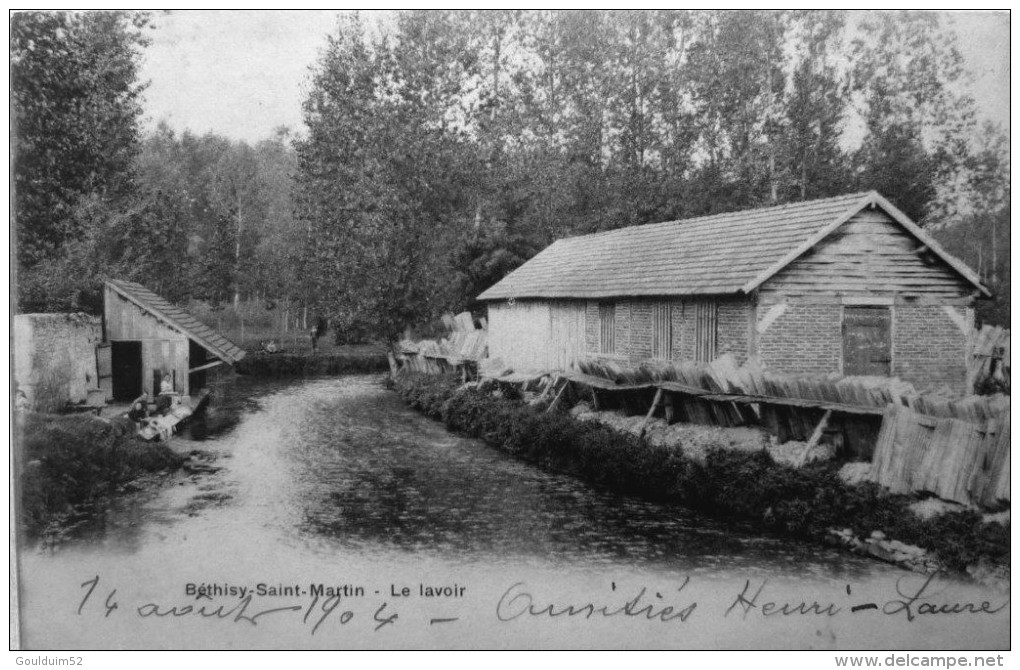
(55, 357)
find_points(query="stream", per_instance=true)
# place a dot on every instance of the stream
(339, 518)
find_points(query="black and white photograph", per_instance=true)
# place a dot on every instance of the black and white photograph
(511, 330)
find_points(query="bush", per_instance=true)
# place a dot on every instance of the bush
(73, 460)
(299, 365)
(803, 503)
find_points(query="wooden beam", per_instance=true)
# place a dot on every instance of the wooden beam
(556, 400)
(651, 411)
(205, 367)
(819, 429)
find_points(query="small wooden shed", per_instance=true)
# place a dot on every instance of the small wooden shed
(148, 336)
(847, 285)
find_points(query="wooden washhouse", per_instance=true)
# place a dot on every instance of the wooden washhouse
(148, 335)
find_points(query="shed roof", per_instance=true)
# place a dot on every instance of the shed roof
(708, 255)
(180, 319)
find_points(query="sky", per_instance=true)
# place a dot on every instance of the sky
(244, 73)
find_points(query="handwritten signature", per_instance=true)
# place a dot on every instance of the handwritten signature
(912, 602)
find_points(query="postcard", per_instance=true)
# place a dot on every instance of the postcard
(511, 330)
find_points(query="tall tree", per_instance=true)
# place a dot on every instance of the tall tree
(76, 102)
(905, 65)
(813, 162)
(381, 177)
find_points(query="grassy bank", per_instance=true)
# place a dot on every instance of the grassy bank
(298, 365)
(70, 462)
(803, 503)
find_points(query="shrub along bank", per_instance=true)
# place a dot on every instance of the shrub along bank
(299, 365)
(72, 461)
(805, 503)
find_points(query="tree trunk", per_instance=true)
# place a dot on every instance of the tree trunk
(237, 258)
(995, 252)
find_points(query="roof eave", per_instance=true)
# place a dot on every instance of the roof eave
(930, 242)
(221, 354)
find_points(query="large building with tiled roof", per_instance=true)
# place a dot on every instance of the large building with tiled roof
(846, 285)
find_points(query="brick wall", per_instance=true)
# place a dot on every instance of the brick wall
(805, 339)
(677, 323)
(622, 328)
(634, 328)
(687, 332)
(734, 328)
(640, 347)
(928, 348)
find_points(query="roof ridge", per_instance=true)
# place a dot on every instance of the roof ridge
(708, 217)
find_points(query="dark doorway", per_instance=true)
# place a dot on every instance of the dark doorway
(127, 370)
(196, 359)
(867, 341)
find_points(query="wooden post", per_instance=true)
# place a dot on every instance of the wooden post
(651, 411)
(667, 401)
(819, 429)
(594, 399)
(556, 400)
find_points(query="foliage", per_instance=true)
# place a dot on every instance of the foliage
(445, 148)
(298, 365)
(75, 460)
(75, 109)
(804, 503)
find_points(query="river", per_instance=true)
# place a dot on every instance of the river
(348, 508)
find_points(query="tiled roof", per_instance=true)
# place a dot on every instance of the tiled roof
(719, 254)
(189, 325)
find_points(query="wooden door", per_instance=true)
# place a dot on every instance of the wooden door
(867, 341)
(104, 369)
(566, 334)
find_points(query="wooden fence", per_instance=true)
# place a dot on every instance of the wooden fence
(957, 449)
(951, 458)
(460, 351)
(988, 360)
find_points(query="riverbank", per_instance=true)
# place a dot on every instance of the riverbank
(288, 364)
(805, 503)
(71, 463)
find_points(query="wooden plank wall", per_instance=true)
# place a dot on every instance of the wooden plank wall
(662, 330)
(566, 334)
(519, 334)
(607, 328)
(706, 327)
(163, 347)
(868, 255)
